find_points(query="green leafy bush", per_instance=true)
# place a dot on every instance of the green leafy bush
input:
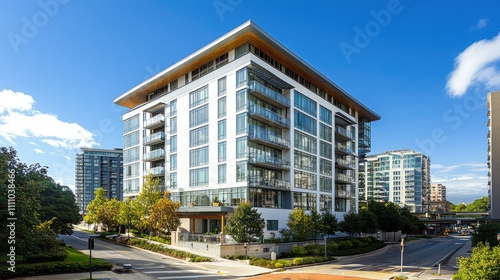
(315, 249)
(344, 244)
(171, 252)
(356, 243)
(297, 261)
(484, 263)
(50, 256)
(52, 268)
(298, 251)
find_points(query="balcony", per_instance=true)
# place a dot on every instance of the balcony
(266, 137)
(267, 116)
(152, 139)
(154, 155)
(340, 177)
(269, 95)
(343, 149)
(343, 164)
(268, 161)
(342, 193)
(343, 133)
(263, 182)
(154, 122)
(156, 171)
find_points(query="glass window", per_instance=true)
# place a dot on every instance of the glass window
(173, 125)
(325, 184)
(325, 167)
(198, 97)
(173, 144)
(325, 115)
(222, 130)
(198, 136)
(304, 122)
(198, 116)
(304, 103)
(221, 107)
(325, 132)
(304, 180)
(325, 149)
(198, 177)
(325, 202)
(221, 86)
(222, 151)
(304, 200)
(198, 157)
(241, 100)
(173, 107)
(173, 180)
(131, 124)
(241, 50)
(222, 174)
(241, 171)
(241, 77)
(173, 162)
(241, 123)
(305, 142)
(304, 161)
(130, 155)
(272, 224)
(241, 147)
(131, 139)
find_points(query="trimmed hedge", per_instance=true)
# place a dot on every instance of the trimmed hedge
(167, 251)
(345, 247)
(53, 256)
(280, 263)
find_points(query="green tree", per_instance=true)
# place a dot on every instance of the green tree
(330, 223)
(484, 263)
(127, 216)
(108, 214)
(246, 224)
(141, 206)
(486, 232)
(388, 217)
(164, 214)
(461, 207)
(479, 205)
(59, 202)
(316, 223)
(99, 200)
(300, 225)
(367, 221)
(410, 223)
(350, 224)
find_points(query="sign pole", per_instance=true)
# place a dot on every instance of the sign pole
(402, 250)
(91, 246)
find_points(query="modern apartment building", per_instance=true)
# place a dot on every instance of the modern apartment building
(400, 176)
(97, 168)
(493, 104)
(244, 118)
(438, 192)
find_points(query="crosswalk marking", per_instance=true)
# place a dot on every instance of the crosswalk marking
(174, 271)
(184, 276)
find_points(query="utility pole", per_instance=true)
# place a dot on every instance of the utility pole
(402, 250)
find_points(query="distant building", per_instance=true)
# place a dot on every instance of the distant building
(400, 176)
(98, 168)
(245, 119)
(438, 192)
(493, 104)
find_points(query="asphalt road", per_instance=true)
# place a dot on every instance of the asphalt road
(150, 265)
(417, 256)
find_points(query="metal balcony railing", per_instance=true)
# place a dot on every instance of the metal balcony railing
(261, 112)
(258, 181)
(154, 138)
(271, 95)
(155, 121)
(262, 135)
(154, 155)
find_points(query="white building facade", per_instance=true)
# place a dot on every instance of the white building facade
(245, 119)
(400, 176)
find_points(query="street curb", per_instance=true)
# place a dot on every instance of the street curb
(448, 255)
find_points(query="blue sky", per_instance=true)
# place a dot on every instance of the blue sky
(425, 67)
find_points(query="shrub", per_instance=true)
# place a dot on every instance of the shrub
(52, 268)
(297, 261)
(50, 256)
(171, 252)
(356, 243)
(315, 250)
(298, 251)
(484, 263)
(344, 244)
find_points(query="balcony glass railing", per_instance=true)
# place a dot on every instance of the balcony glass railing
(344, 162)
(268, 160)
(153, 138)
(274, 95)
(156, 171)
(342, 131)
(343, 147)
(255, 132)
(158, 119)
(268, 114)
(160, 153)
(344, 177)
(255, 181)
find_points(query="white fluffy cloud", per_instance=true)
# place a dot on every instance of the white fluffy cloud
(18, 119)
(481, 24)
(38, 151)
(476, 66)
